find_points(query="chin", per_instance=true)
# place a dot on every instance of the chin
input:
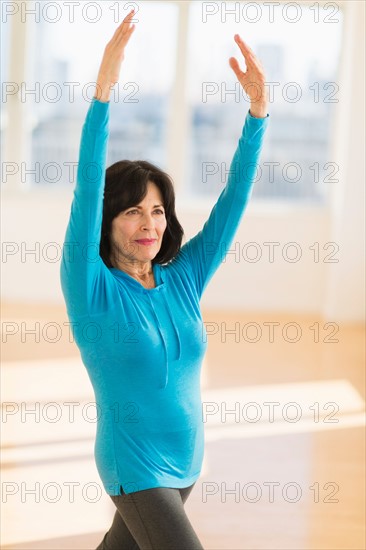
(150, 253)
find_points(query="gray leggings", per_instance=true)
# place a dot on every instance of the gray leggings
(152, 519)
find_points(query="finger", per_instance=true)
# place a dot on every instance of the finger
(245, 50)
(255, 66)
(127, 19)
(243, 45)
(252, 62)
(235, 67)
(124, 26)
(129, 16)
(125, 36)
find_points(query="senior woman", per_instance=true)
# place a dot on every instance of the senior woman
(132, 293)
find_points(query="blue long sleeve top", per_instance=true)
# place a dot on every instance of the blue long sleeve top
(143, 348)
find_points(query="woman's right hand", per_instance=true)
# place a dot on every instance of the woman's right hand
(114, 54)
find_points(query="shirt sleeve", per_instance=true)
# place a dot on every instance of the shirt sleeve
(82, 270)
(205, 251)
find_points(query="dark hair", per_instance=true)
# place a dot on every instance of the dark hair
(126, 184)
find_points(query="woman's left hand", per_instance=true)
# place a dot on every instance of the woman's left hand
(252, 80)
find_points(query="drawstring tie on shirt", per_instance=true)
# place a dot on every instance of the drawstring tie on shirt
(165, 373)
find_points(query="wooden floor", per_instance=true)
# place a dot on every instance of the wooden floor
(293, 480)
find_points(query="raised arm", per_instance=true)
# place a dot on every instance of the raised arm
(83, 272)
(206, 250)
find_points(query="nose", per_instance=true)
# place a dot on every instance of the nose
(148, 222)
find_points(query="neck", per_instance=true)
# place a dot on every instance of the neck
(139, 270)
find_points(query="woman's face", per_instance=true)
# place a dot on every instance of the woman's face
(137, 233)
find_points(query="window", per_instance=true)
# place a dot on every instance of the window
(66, 58)
(68, 41)
(300, 58)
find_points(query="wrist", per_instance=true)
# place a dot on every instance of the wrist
(103, 90)
(258, 110)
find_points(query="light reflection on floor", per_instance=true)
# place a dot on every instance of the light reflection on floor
(50, 485)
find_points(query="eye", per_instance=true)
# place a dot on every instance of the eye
(131, 211)
(159, 210)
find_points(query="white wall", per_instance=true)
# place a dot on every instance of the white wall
(38, 218)
(335, 290)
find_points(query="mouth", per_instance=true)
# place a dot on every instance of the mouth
(146, 242)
